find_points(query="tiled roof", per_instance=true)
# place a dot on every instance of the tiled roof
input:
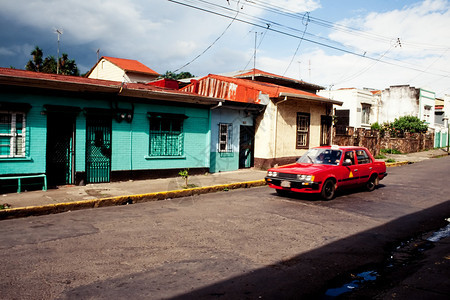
(130, 65)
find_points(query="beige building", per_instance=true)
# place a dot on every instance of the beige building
(290, 121)
(123, 70)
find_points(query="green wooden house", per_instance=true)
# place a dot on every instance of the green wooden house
(75, 130)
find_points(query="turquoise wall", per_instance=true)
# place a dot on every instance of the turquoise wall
(130, 141)
(229, 161)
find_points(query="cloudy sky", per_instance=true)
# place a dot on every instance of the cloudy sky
(336, 44)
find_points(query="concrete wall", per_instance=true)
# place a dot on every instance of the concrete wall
(227, 161)
(353, 99)
(130, 141)
(398, 101)
(275, 140)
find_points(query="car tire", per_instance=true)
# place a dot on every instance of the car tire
(282, 192)
(328, 189)
(372, 183)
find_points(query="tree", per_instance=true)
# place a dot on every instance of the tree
(35, 64)
(175, 76)
(49, 65)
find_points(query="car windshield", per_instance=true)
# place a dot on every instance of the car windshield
(321, 156)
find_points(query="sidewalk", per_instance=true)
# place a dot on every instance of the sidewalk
(67, 198)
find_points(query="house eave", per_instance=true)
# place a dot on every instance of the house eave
(112, 87)
(291, 96)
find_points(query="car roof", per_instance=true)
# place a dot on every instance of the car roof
(341, 147)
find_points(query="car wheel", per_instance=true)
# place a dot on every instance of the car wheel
(372, 183)
(282, 192)
(328, 189)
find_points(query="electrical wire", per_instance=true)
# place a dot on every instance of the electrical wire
(280, 31)
(299, 43)
(210, 46)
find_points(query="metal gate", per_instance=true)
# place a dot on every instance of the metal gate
(60, 148)
(98, 148)
(246, 140)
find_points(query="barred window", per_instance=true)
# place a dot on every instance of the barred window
(12, 134)
(225, 141)
(166, 134)
(365, 114)
(302, 130)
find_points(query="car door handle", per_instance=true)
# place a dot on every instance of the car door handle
(356, 170)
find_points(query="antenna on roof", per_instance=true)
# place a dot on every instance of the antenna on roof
(58, 32)
(98, 54)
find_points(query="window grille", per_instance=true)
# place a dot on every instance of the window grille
(365, 114)
(225, 138)
(12, 134)
(166, 135)
(303, 120)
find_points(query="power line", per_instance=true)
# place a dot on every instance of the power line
(299, 43)
(209, 47)
(235, 18)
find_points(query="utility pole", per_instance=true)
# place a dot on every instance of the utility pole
(58, 32)
(254, 57)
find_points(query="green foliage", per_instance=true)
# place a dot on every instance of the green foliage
(175, 76)
(380, 156)
(49, 64)
(5, 206)
(390, 151)
(402, 125)
(390, 160)
(185, 175)
(375, 126)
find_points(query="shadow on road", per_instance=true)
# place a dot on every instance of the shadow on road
(304, 276)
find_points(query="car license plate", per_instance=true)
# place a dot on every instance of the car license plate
(285, 183)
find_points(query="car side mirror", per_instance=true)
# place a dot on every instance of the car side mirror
(347, 162)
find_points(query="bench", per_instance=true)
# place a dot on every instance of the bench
(19, 179)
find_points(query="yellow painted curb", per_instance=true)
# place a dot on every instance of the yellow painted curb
(21, 212)
(399, 163)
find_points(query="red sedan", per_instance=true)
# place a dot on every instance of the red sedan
(325, 169)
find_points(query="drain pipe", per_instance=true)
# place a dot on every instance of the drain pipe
(217, 106)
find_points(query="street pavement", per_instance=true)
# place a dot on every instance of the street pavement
(429, 280)
(72, 197)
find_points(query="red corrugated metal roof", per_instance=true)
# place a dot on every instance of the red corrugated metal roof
(130, 65)
(242, 90)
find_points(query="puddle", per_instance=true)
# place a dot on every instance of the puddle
(440, 234)
(360, 279)
(403, 254)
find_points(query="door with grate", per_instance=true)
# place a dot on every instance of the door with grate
(98, 148)
(60, 148)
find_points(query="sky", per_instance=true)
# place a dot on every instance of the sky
(335, 44)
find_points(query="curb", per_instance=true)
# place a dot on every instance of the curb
(397, 164)
(27, 211)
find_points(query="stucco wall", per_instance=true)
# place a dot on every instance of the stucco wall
(227, 161)
(398, 101)
(276, 136)
(130, 141)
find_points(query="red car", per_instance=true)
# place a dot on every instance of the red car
(325, 169)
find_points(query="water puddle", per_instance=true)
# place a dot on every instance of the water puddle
(359, 279)
(403, 254)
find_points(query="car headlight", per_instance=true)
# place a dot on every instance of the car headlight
(306, 178)
(272, 174)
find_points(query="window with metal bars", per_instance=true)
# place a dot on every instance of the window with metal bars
(225, 139)
(12, 134)
(302, 130)
(166, 135)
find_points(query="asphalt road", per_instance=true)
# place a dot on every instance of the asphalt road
(241, 244)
